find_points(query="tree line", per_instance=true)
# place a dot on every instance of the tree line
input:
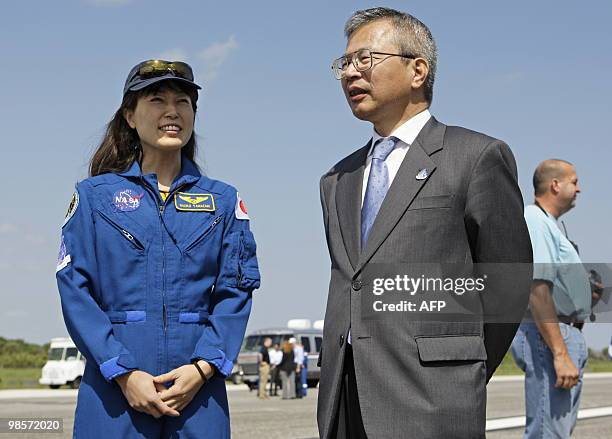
(20, 354)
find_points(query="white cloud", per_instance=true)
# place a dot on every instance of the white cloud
(175, 54)
(215, 55)
(108, 2)
(7, 228)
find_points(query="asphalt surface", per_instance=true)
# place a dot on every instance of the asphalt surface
(284, 419)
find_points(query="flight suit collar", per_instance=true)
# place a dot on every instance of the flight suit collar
(189, 172)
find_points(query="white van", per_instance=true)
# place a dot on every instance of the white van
(246, 369)
(65, 364)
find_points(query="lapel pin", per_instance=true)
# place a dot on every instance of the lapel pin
(423, 174)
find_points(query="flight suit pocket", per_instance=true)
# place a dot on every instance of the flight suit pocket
(201, 236)
(121, 253)
(199, 264)
(248, 269)
(451, 348)
(135, 242)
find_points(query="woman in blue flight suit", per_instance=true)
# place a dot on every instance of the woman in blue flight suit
(156, 271)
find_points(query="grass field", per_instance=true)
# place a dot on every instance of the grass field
(509, 367)
(28, 378)
(19, 378)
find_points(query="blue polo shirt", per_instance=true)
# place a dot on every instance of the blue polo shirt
(557, 261)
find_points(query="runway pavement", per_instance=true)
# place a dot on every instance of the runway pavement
(278, 419)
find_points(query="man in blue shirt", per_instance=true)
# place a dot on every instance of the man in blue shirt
(549, 345)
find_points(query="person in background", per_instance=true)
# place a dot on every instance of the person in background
(298, 350)
(276, 355)
(264, 367)
(287, 371)
(302, 388)
(549, 346)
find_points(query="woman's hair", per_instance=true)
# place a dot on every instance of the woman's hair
(121, 144)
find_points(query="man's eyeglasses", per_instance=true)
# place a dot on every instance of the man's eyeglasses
(362, 60)
(158, 67)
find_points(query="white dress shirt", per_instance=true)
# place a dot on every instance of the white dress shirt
(406, 133)
(275, 356)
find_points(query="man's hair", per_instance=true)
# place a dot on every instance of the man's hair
(411, 36)
(546, 172)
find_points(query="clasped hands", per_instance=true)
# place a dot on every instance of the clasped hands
(148, 394)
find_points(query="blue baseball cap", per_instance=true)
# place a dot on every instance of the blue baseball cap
(154, 70)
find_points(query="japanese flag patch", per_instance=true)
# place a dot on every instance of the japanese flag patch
(241, 211)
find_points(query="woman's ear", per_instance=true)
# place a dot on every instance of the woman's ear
(128, 115)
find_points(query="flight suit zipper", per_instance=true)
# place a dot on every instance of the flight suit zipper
(205, 234)
(162, 225)
(135, 242)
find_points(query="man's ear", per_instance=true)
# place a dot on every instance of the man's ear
(421, 70)
(554, 186)
(128, 115)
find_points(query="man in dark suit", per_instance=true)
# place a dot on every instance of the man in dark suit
(418, 192)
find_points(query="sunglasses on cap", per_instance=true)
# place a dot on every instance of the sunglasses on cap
(149, 72)
(158, 67)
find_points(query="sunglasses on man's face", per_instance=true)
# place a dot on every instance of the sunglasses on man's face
(159, 68)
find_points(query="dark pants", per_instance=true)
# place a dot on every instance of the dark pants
(274, 381)
(298, 384)
(348, 423)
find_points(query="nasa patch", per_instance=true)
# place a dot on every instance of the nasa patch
(63, 259)
(241, 210)
(72, 207)
(127, 200)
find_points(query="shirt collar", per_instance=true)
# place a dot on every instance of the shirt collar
(406, 132)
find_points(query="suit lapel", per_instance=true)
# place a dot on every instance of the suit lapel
(348, 203)
(405, 186)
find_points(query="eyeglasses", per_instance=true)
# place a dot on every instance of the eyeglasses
(362, 60)
(158, 67)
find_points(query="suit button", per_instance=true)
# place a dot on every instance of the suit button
(356, 285)
(341, 340)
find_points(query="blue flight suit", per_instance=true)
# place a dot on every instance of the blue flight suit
(152, 285)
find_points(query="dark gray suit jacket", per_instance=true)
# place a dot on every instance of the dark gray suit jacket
(422, 379)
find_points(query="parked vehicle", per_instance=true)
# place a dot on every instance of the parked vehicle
(247, 367)
(65, 364)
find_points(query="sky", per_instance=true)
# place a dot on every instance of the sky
(272, 119)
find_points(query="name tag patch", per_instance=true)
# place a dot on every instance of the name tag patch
(194, 202)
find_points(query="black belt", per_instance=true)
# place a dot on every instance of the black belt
(572, 321)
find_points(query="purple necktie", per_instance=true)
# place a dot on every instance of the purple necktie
(378, 184)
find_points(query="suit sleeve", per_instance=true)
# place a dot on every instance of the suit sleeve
(77, 275)
(326, 226)
(498, 234)
(324, 204)
(231, 299)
